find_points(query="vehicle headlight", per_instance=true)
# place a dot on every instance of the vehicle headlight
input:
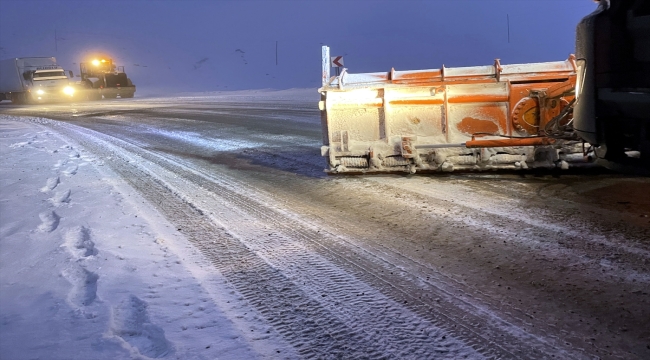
(580, 76)
(40, 92)
(68, 90)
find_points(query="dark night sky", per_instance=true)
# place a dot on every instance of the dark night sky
(195, 45)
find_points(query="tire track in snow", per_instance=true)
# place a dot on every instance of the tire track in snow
(468, 328)
(307, 325)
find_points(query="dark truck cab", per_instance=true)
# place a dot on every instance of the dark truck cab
(612, 111)
(101, 78)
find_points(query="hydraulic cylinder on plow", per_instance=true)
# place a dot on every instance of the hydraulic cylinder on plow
(469, 118)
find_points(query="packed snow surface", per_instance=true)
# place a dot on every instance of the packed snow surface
(88, 270)
(203, 227)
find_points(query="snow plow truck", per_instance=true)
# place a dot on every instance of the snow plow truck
(592, 108)
(100, 78)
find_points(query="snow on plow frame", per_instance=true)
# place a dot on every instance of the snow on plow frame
(469, 118)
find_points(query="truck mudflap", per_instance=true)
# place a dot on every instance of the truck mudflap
(470, 118)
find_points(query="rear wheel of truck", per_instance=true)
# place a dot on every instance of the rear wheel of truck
(95, 96)
(19, 99)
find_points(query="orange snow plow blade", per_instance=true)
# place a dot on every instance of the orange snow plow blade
(470, 118)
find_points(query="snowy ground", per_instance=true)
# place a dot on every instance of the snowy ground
(89, 270)
(202, 226)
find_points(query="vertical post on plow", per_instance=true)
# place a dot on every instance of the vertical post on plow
(326, 65)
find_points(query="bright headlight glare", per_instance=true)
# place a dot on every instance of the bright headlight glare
(40, 92)
(96, 62)
(68, 90)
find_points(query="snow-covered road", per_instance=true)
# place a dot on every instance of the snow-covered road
(203, 227)
(89, 270)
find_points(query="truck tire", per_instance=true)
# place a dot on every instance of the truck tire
(94, 95)
(19, 99)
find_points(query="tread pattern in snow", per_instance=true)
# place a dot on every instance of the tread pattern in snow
(319, 329)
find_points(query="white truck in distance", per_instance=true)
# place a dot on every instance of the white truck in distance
(33, 79)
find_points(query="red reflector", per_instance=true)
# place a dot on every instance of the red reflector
(118, 84)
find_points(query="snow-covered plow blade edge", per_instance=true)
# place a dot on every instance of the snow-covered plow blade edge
(470, 118)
